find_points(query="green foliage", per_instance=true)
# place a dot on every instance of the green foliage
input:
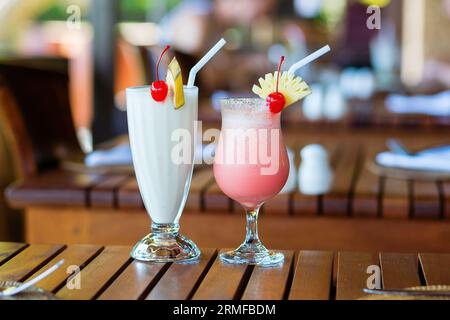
(130, 10)
(137, 10)
(57, 11)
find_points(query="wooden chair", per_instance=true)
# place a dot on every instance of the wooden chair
(36, 114)
(36, 127)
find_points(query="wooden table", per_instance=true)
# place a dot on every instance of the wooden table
(78, 207)
(110, 273)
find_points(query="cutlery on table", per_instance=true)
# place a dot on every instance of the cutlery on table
(13, 290)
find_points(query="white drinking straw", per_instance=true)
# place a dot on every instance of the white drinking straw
(211, 53)
(313, 56)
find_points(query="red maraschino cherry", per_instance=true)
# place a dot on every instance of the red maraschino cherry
(159, 89)
(276, 101)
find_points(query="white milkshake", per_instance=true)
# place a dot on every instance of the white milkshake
(163, 184)
(154, 129)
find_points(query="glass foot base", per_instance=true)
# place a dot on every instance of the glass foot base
(165, 248)
(261, 257)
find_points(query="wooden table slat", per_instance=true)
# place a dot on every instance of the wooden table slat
(134, 281)
(55, 187)
(426, 199)
(128, 195)
(98, 273)
(399, 270)
(395, 200)
(436, 268)
(104, 194)
(74, 256)
(215, 199)
(110, 274)
(367, 186)
(180, 280)
(313, 276)
(201, 180)
(352, 274)
(28, 261)
(8, 249)
(269, 283)
(217, 286)
(337, 201)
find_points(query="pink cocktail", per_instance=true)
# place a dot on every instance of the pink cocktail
(251, 166)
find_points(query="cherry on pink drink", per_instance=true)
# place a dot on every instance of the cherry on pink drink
(251, 166)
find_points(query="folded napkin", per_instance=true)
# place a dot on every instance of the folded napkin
(119, 155)
(434, 159)
(435, 105)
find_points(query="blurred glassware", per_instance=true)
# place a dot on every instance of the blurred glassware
(312, 105)
(275, 52)
(385, 55)
(334, 103)
(384, 52)
(357, 83)
(307, 8)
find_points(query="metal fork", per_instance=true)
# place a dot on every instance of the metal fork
(10, 291)
(409, 293)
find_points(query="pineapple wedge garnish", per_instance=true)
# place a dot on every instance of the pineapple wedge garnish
(292, 87)
(174, 80)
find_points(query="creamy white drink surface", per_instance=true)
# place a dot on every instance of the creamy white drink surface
(164, 184)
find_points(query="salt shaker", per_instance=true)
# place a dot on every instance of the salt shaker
(315, 175)
(291, 182)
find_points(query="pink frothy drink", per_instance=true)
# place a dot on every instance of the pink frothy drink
(251, 166)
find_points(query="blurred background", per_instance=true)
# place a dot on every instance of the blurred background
(82, 54)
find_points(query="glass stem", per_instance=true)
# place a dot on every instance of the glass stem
(165, 231)
(251, 237)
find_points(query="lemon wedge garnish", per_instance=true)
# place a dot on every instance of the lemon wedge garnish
(175, 82)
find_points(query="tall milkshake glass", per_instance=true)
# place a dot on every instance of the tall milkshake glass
(163, 177)
(251, 166)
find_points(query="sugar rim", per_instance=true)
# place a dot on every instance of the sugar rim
(257, 105)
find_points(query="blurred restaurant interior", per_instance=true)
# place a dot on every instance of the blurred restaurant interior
(379, 99)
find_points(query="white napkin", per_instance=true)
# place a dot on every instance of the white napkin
(434, 159)
(435, 105)
(119, 155)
